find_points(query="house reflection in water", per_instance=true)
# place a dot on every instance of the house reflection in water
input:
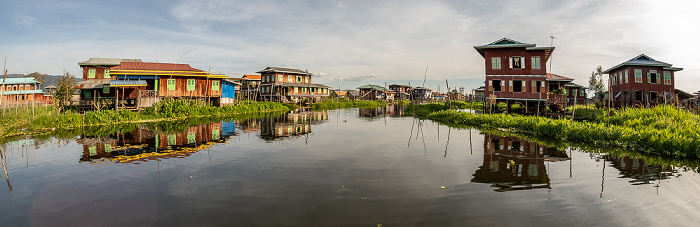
(512, 163)
(389, 110)
(143, 144)
(290, 125)
(639, 171)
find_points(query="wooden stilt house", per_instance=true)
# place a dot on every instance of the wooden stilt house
(516, 72)
(642, 81)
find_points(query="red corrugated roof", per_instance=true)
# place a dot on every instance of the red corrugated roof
(251, 77)
(155, 66)
(551, 76)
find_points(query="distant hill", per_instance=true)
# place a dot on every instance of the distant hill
(50, 79)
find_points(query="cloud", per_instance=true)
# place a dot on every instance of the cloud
(23, 20)
(358, 78)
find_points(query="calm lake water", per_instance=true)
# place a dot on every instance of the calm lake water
(347, 167)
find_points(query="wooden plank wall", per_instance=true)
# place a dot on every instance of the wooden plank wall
(202, 87)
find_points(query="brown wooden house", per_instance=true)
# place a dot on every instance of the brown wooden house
(575, 94)
(130, 83)
(290, 85)
(641, 81)
(516, 72)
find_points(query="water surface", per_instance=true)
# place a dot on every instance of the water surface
(346, 167)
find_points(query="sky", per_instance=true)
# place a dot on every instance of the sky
(346, 44)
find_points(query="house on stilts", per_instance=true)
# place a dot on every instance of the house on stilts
(642, 81)
(516, 73)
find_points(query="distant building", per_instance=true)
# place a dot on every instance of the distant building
(375, 92)
(641, 81)
(23, 91)
(575, 94)
(249, 87)
(421, 93)
(290, 85)
(402, 91)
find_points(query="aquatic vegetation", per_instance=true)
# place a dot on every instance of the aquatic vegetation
(344, 104)
(682, 139)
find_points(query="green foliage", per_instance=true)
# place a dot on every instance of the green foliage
(177, 108)
(64, 92)
(631, 129)
(344, 104)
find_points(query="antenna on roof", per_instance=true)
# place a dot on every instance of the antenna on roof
(552, 54)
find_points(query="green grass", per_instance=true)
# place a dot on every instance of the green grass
(636, 129)
(22, 121)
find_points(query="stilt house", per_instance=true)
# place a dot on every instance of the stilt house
(290, 85)
(641, 81)
(516, 72)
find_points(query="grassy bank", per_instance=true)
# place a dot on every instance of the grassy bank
(646, 130)
(22, 121)
(346, 104)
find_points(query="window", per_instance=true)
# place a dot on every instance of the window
(536, 62)
(495, 63)
(517, 62)
(108, 148)
(280, 78)
(517, 86)
(496, 85)
(627, 77)
(91, 73)
(620, 81)
(304, 78)
(289, 78)
(296, 90)
(536, 86)
(172, 139)
(653, 78)
(107, 74)
(215, 134)
(583, 93)
(191, 137)
(667, 78)
(298, 78)
(215, 85)
(303, 90)
(171, 84)
(190, 84)
(105, 90)
(637, 75)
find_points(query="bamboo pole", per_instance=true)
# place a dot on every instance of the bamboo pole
(573, 112)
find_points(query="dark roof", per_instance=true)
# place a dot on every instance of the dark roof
(570, 84)
(399, 85)
(509, 43)
(301, 85)
(127, 83)
(283, 70)
(372, 87)
(251, 77)
(106, 61)
(555, 77)
(644, 60)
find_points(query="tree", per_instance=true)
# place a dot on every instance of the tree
(64, 93)
(596, 84)
(41, 78)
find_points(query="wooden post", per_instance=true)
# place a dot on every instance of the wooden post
(609, 101)
(573, 112)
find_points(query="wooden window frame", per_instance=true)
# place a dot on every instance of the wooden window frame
(106, 74)
(495, 62)
(171, 86)
(667, 78)
(91, 73)
(535, 61)
(192, 86)
(215, 85)
(638, 76)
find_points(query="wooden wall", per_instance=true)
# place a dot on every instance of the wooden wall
(202, 87)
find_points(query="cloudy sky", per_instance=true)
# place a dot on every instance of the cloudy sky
(349, 43)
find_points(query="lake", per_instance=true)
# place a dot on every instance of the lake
(345, 167)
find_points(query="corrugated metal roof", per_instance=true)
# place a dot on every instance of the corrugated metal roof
(509, 43)
(251, 77)
(106, 61)
(27, 80)
(92, 84)
(127, 83)
(644, 60)
(372, 87)
(152, 66)
(270, 69)
(551, 76)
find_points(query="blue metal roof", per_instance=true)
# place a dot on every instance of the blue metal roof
(21, 80)
(127, 83)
